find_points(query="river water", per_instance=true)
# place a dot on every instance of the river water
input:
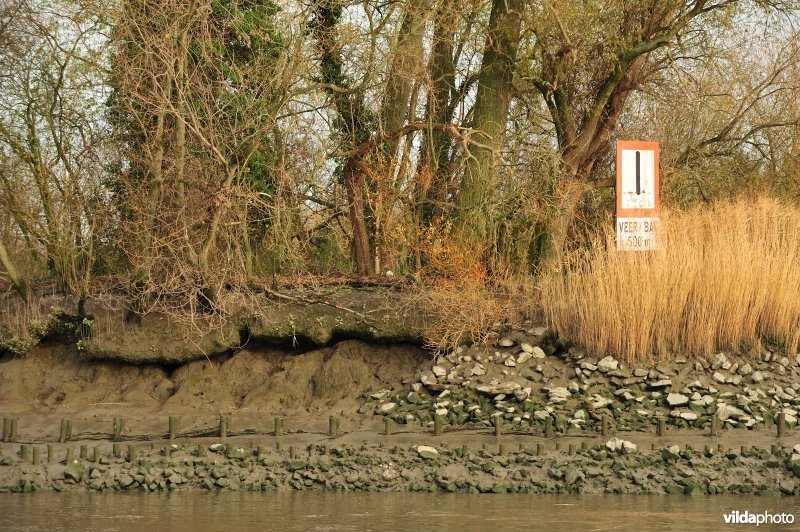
(200, 511)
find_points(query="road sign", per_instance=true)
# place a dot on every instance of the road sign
(638, 198)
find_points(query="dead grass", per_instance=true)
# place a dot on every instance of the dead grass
(724, 277)
(463, 301)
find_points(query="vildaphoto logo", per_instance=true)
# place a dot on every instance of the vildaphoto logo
(764, 518)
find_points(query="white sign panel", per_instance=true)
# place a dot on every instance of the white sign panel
(636, 234)
(638, 179)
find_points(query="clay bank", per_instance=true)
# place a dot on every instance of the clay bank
(351, 409)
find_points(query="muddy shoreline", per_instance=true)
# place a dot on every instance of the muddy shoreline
(523, 414)
(489, 467)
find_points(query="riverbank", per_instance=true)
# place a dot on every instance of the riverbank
(618, 466)
(522, 414)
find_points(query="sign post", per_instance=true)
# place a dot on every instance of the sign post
(638, 199)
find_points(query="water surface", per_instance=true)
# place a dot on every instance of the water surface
(327, 511)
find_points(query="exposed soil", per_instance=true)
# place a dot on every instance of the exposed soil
(526, 380)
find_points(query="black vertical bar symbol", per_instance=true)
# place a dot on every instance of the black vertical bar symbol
(638, 173)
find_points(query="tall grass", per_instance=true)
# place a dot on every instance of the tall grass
(724, 277)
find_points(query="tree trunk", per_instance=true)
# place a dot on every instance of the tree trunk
(354, 182)
(17, 281)
(490, 114)
(432, 182)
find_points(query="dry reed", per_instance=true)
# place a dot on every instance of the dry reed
(724, 277)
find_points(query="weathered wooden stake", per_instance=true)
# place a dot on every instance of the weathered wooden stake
(558, 446)
(49, 452)
(12, 435)
(278, 446)
(96, 454)
(584, 445)
(6, 429)
(117, 428)
(83, 452)
(498, 426)
(333, 425)
(438, 425)
(23, 452)
(131, 452)
(502, 450)
(70, 456)
(571, 449)
(223, 427)
(539, 449)
(388, 426)
(62, 431)
(291, 452)
(174, 423)
(604, 426)
(662, 427)
(464, 451)
(548, 427)
(278, 426)
(714, 425)
(781, 424)
(774, 449)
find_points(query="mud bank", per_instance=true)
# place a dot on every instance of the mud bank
(525, 414)
(609, 468)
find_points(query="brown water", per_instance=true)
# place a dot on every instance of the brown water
(196, 512)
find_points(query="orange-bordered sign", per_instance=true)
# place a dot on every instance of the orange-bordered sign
(637, 179)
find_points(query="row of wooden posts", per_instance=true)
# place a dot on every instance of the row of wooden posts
(10, 427)
(132, 453)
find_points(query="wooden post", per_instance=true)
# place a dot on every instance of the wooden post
(437, 425)
(174, 422)
(388, 426)
(571, 448)
(548, 427)
(292, 454)
(131, 452)
(23, 452)
(464, 451)
(83, 452)
(502, 450)
(117, 428)
(6, 429)
(781, 424)
(223, 427)
(333, 426)
(539, 449)
(662, 427)
(62, 431)
(49, 452)
(604, 426)
(70, 456)
(259, 451)
(584, 445)
(714, 425)
(96, 454)
(498, 426)
(12, 435)
(278, 426)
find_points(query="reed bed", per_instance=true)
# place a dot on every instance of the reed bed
(725, 276)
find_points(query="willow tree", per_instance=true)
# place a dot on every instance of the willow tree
(489, 119)
(369, 132)
(586, 60)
